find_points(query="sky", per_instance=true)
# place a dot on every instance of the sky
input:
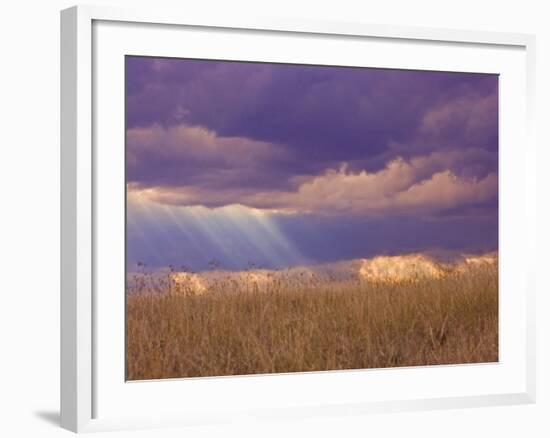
(238, 164)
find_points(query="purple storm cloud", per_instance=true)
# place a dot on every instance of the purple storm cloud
(317, 149)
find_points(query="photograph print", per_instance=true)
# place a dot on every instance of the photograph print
(286, 218)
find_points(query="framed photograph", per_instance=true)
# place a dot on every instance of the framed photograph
(274, 219)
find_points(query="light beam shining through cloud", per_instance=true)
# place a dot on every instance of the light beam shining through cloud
(279, 165)
(234, 236)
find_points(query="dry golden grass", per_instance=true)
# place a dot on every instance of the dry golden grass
(328, 326)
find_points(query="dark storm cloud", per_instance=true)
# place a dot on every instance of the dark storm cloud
(315, 117)
(284, 164)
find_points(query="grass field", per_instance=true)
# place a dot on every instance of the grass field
(234, 329)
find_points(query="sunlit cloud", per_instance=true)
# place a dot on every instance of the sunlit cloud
(180, 154)
(423, 185)
(407, 268)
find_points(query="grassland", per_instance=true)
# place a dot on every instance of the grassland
(234, 329)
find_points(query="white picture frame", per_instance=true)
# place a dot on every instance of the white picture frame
(81, 168)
